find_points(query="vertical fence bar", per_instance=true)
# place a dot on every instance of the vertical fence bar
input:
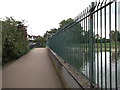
(80, 39)
(82, 22)
(86, 44)
(1, 54)
(110, 46)
(105, 48)
(91, 45)
(94, 62)
(97, 51)
(116, 45)
(101, 46)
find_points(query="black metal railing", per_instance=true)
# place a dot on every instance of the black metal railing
(91, 44)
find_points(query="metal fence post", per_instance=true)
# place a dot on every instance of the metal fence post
(86, 44)
(91, 46)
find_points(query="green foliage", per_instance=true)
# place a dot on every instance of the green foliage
(48, 34)
(113, 35)
(62, 24)
(14, 40)
(41, 40)
(63, 43)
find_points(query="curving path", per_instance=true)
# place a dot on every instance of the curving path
(33, 70)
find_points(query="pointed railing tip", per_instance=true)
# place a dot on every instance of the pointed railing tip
(90, 8)
(87, 10)
(98, 4)
(102, 3)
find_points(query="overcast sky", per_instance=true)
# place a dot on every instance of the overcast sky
(42, 15)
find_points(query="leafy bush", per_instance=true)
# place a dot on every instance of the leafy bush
(40, 41)
(14, 39)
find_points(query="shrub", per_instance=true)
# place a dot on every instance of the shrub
(14, 39)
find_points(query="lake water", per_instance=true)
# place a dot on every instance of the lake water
(97, 72)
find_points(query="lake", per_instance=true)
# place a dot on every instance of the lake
(97, 72)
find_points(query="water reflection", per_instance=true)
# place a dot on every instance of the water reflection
(97, 69)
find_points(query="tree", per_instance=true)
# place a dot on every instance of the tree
(63, 23)
(50, 33)
(40, 41)
(14, 39)
(113, 35)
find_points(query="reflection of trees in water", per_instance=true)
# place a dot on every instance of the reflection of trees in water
(119, 53)
(75, 56)
(80, 61)
(113, 56)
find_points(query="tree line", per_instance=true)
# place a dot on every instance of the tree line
(15, 41)
(81, 34)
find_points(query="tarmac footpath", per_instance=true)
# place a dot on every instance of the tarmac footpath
(33, 70)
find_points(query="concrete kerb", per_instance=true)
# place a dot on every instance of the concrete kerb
(58, 70)
(78, 78)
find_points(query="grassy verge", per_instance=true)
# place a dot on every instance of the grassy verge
(96, 46)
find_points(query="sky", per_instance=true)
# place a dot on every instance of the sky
(42, 15)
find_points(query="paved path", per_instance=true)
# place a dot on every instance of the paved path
(33, 70)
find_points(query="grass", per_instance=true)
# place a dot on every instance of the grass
(97, 46)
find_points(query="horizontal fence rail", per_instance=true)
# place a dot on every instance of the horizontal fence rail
(91, 44)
